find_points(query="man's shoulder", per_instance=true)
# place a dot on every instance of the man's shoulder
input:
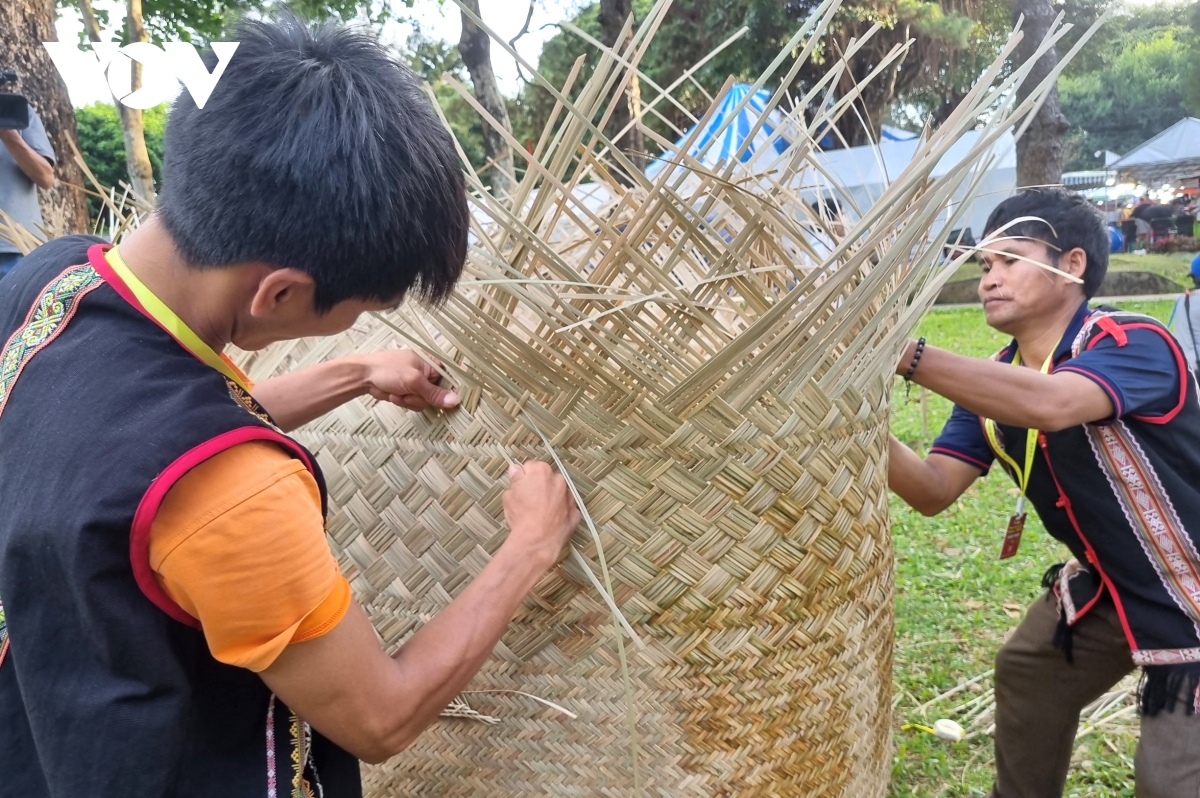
(62, 252)
(1105, 321)
(22, 286)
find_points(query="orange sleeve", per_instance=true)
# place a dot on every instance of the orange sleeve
(239, 544)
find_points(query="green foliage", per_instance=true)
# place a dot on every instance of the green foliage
(1191, 78)
(951, 36)
(950, 596)
(203, 21)
(433, 59)
(1134, 86)
(534, 104)
(930, 20)
(103, 145)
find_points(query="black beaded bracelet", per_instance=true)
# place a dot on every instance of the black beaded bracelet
(912, 367)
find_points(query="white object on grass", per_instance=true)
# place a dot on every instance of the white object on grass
(947, 729)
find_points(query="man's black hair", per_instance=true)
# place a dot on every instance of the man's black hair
(317, 151)
(1063, 222)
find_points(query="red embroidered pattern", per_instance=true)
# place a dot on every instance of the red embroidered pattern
(1071, 569)
(301, 746)
(272, 787)
(1151, 515)
(1166, 656)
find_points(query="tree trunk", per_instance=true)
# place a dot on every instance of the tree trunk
(613, 14)
(1040, 150)
(26, 24)
(475, 47)
(137, 157)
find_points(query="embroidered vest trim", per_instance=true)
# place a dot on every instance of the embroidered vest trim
(47, 317)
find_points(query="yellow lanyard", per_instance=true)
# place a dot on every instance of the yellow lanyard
(1031, 436)
(174, 325)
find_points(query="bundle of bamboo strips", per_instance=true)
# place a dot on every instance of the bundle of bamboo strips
(715, 385)
(122, 209)
(1115, 712)
(13, 232)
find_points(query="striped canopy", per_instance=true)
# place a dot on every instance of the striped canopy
(728, 129)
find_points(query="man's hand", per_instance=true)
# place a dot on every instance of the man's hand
(540, 511)
(32, 163)
(399, 376)
(374, 706)
(404, 378)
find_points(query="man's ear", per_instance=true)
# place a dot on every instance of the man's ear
(282, 289)
(1073, 261)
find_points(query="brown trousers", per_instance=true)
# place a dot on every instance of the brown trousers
(1039, 696)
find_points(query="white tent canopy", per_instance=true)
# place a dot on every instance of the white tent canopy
(865, 172)
(855, 177)
(1169, 156)
(862, 173)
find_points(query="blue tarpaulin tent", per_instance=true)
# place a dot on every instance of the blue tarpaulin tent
(889, 133)
(860, 175)
(719, 141)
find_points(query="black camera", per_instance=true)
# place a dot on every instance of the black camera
(14, 109)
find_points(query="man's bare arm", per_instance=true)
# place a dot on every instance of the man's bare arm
(1020, 397)
(399, 376)
(927, 485)
(35, 166)
(375, 706)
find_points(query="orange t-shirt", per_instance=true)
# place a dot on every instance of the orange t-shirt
(239, 544)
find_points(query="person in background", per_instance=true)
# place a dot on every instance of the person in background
(1185, 316)
(26, 164)
(1093, 414)
(1148, 211)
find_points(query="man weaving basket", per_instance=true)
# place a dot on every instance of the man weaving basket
(174, 613)
(1094, 414)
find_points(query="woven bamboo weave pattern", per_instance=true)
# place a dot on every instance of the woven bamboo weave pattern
(711, 362)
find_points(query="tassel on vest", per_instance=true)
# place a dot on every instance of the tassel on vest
(1163, 686)
(1063, 637)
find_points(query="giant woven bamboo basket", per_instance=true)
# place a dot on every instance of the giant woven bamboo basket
(716, 387)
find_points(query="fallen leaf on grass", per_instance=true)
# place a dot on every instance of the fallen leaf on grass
(974, 605)
(952, 552)
(1012, 609)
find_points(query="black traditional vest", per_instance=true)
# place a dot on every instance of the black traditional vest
(1125, 499)
(107, 688)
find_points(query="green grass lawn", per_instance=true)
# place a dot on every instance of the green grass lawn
(951, 592)
(1173, 266)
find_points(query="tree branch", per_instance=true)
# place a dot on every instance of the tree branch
(524, 30)
(90, 24)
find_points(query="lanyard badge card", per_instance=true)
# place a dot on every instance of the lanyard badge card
(1012, 536)
(1016, 521)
